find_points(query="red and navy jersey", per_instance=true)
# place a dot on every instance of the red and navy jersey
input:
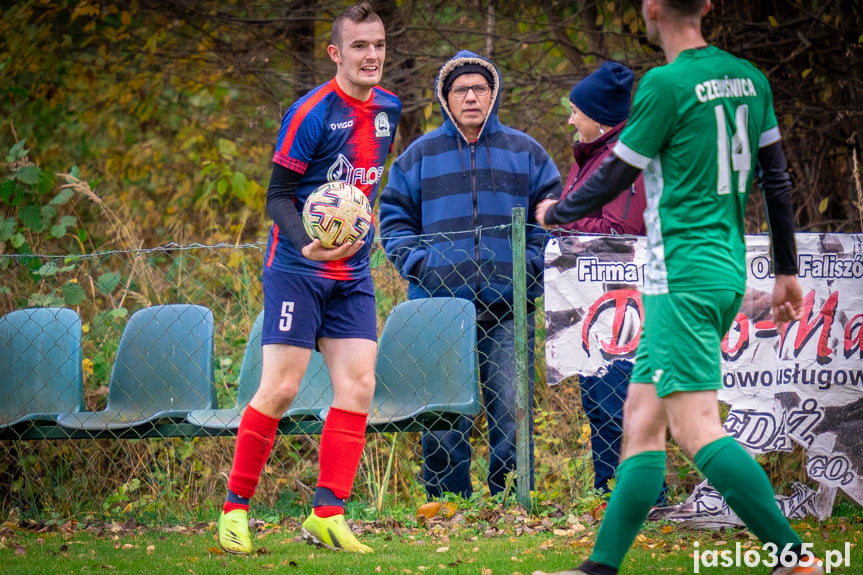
(328, 136)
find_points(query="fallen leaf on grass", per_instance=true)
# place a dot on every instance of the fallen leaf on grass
(20, 550)
(429, 510)
(69, 526)
(215, 551)
(434, 508)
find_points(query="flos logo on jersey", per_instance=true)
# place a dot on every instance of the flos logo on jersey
(343, 170)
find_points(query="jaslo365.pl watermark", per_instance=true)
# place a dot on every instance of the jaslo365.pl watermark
(767, 556)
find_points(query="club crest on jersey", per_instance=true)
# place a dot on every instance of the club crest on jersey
(382, 125)
(343, 170)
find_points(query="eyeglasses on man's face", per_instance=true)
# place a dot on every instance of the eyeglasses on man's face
(478, 90)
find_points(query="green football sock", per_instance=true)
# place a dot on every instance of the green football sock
(746, 489)
(639, 481)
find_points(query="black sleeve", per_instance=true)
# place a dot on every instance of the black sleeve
(604, 185)
(776, 187)
(282, 207)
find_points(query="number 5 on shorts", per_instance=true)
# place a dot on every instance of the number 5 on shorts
(287, 316)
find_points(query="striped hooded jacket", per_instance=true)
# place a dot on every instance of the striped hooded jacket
(446, 212)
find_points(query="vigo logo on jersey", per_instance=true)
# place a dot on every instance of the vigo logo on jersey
(343, 171)
(342, 125)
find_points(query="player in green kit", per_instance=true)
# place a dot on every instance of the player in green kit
(700, 128)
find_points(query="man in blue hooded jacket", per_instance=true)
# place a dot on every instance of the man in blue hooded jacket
(445, 220)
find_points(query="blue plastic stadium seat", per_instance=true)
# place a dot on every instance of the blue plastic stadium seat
(315, 393)
(40, 365)
(426, 363)
(163, 370)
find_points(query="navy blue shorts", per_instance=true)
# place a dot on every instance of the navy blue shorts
(300, 309)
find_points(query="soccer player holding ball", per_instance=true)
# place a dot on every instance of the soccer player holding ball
(700, 128)
(319, 296)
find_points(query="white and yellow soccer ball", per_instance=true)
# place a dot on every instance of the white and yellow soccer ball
(337, 212)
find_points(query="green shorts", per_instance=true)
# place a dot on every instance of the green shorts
(680, 341)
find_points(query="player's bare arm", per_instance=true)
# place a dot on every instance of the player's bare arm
(787, 304)
(541, 209)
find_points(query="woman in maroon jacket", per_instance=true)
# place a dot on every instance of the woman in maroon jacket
(600, 108)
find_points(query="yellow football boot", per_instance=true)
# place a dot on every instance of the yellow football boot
(234, 532)
(332, 533)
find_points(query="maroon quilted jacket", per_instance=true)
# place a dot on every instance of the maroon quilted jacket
(625, 215)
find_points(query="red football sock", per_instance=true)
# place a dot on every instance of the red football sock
(342, 442)
(228, 507)
(255, 439)
(325, 511)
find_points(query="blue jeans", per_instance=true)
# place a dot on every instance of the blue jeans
(447, 454)
(602, 399)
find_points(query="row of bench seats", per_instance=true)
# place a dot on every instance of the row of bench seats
(163, 385)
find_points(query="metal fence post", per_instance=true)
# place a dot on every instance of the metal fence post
(522, 401)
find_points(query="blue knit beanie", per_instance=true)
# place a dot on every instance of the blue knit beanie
(467, 68)
(605, 94)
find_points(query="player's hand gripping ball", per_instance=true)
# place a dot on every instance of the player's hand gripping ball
(337, 212)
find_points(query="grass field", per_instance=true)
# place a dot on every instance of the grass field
(485, 543)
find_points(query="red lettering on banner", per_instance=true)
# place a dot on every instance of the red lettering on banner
(811, 324)
(854, 341)
(766, 328)
(618, 301)
(808, 325)
(741, 324)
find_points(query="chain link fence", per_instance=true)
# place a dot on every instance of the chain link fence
(128, 469)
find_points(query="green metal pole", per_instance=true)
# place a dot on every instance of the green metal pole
(522, 401)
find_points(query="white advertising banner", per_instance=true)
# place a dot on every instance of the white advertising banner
(803, 386)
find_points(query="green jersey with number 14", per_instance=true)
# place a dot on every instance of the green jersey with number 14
(695, 129)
